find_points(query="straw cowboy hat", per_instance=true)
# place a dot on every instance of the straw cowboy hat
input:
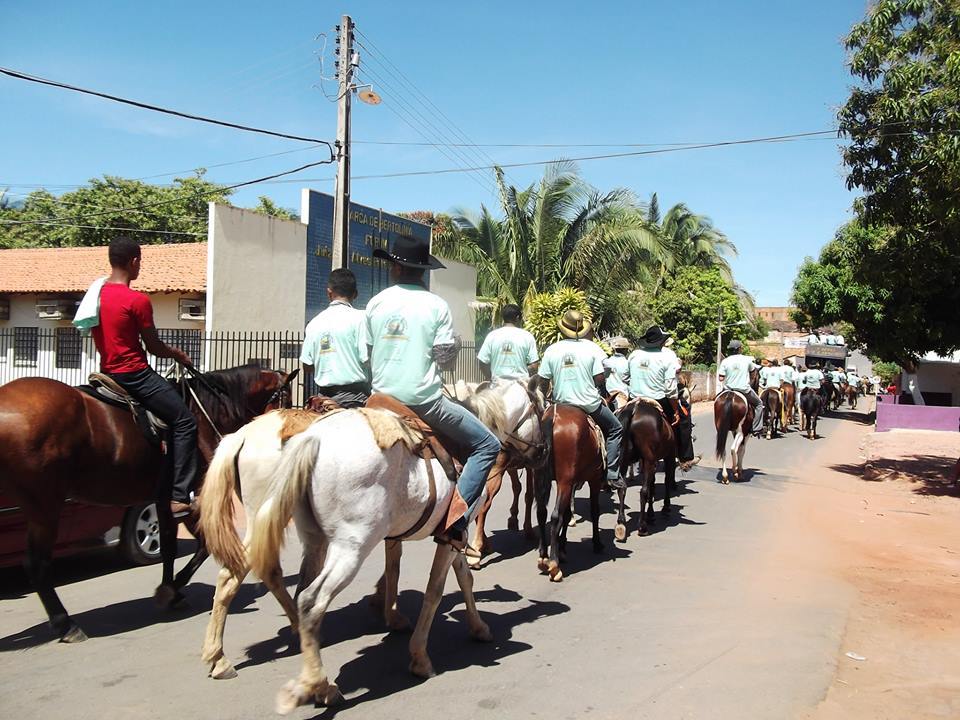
(574, 325)
(619, 343)
(410, 252)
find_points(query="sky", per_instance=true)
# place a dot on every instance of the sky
(571, 73)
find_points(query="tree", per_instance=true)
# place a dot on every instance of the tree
(904, 154)
(688, 306)
(266, 206)
(109, 207)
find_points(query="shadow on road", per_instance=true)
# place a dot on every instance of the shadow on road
(928, 475)
(381, 668)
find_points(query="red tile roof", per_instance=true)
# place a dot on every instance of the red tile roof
(165, 268)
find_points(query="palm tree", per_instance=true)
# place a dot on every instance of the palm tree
(693, 239)
(559, 232)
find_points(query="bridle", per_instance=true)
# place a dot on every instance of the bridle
(532, 454)
(281, 392)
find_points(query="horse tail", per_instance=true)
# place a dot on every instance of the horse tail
(726, 419)
(217, 505)
(287, 486)
(625, 416)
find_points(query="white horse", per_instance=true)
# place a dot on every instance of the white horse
(347, 493)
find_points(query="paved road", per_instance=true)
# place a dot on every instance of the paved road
(696, 621)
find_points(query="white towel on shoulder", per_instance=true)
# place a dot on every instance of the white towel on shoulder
(88, 312)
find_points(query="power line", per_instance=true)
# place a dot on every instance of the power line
(156, 108)
(100, 227)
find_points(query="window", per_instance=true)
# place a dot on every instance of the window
(25, 346)
(68, 347)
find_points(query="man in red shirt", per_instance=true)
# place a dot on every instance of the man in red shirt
(126, 319)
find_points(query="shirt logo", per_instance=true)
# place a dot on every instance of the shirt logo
(569, 360)
(396, 328)
(325, 345)
(507, 348)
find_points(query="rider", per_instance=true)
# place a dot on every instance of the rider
(854, 380)
(126, 321)
(771, 375)
(575, 366)
(410, 334)
(734, 374)
(812, 379)
(509, 352)
(791, 375)
(653, 375)
(617, 367)
(334, 348)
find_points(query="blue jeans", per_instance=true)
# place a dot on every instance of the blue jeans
(613, 433)
(463, 427)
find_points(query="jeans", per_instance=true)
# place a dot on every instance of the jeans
(751, 395)
(613, 433)
(353, 395)
(161, 398)
(463, 427)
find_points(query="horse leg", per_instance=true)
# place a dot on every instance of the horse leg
(740, 453)
(669, 483)
(479, 540)
(734, 450)
(572, 517)
(340, 566)
(513, 522)
(528, 497)
(479, 630)
(420, 664)
(41, 537)
(166, 595)
(621, 530)
(542, 484)
(595, 515)
(212, 653)
(188, 570)
(648, 469)
(391, 616)
(558, 521)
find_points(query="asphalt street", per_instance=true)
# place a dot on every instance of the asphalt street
(698, 620)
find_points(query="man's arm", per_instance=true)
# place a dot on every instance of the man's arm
(600, 380)
(485, 370)
(157, 347)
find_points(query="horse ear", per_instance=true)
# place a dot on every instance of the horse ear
(292, 376)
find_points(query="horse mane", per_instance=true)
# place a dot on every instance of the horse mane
(228, 404)
(487, 404)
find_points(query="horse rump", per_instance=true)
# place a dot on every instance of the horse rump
(724, 424)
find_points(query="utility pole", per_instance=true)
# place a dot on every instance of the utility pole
(341, 203)
(719, 330)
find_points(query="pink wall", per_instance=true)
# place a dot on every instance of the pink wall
(891, 415)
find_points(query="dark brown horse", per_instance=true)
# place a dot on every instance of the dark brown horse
(731, 412)
(648, 437)
(852, 392)
(809, 412)
(772, 411)
(56, 442)
(576, 459)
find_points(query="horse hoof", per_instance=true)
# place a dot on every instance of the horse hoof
(643, 532)
(556, 574)
(223, 670)
(481, 633)
(398, 622)
(542, 565)
(290, 697)
(422, 667)
(331, 696)
(73, 635)
(620, 532)
(573, 521)
(473, 562)
(513, 524)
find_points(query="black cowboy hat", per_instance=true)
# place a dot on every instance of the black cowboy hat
(410, 252)
(654, 337)
(735, 346)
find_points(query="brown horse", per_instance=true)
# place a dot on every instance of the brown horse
(810, 408)
(648, 437)
(731, 412)
(852, 392)
(789, 392)
(57, 442)
(577, 458)
(772, 410)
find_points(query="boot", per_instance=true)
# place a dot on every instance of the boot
(675, 404)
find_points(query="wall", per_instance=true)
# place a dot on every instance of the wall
(457, 284)
(255, 271)
(892, 415)
(940, 378)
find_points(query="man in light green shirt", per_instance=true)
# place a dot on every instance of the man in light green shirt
(617, 367)
(509, 352)
(410, 334)
(334, 345)
(734, 374)
(574, 366)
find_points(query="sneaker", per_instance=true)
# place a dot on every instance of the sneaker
(180, 510)
(687, 464)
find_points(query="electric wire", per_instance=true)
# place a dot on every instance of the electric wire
(101, 227)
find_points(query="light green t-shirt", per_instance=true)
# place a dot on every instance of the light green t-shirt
(508, 351)
(571, 365)
(771, 377)
(334, 343)
(403, 324)
(853, 379)
(736, 370)
(811, 379)
(619, 372)
(789, 374)
(653, 374)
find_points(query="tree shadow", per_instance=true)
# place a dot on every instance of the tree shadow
(928, 475)
(382, 668)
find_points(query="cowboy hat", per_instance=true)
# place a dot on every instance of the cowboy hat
(669, 341)
(410, 252)
(654, 336)
(619, 343)
(574, 325)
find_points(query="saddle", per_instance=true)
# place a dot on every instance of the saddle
(108, 391)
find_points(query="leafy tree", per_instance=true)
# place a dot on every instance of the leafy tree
(887, 371)
(112, 206)
(689, 307)
(904, 154)
(546, 309)
(266, 206)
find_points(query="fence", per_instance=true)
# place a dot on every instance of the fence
(64, 354)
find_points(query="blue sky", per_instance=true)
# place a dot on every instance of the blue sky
(535, 72)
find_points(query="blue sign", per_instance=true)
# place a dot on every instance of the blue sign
(370, 228)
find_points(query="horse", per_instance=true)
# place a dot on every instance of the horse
(522, 406)
(810, 407)
(58, 442)
(772, 410)
(827, 391)
(576, 457)
(351, 480)
(852, 392)
(789, 391)
(732, 412)
(648, 437)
